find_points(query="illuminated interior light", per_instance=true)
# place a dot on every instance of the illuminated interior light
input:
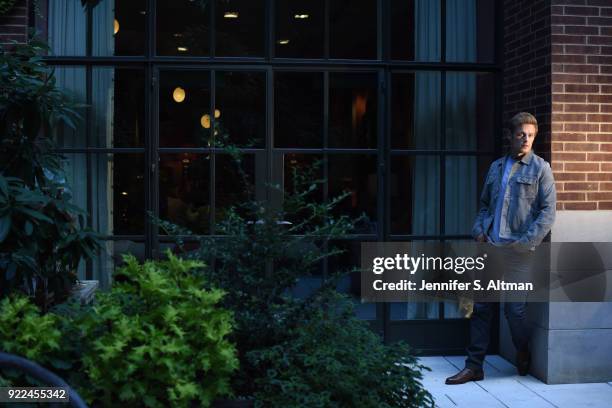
(301, 16)
(179, 94)
(205, 121)
(283, 42)
(182, 49)
(115, 27)
(230, 14)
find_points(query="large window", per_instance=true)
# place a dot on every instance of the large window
(398, 98)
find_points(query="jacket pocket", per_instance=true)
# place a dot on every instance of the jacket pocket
(526, 186)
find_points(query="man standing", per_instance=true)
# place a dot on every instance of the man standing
(517, 210)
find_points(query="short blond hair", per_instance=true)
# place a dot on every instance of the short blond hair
(523, 118)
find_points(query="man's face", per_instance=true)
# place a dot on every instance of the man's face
(522, 140)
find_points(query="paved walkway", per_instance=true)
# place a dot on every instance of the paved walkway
(504, 388)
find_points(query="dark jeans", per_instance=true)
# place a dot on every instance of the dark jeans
(516, 269)
(480, 330)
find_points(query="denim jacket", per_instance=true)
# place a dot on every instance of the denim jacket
(530, 200)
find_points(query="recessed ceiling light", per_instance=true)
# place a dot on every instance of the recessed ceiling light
(283, 42)
(143, 12)
(230, 14)
(301, 16)
(182, 49)
(177, 35)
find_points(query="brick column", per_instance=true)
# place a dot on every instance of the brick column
(558, 65)
(582, 103)
(527, 77)
(14, 24)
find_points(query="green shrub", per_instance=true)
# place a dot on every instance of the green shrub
(42, 236)
(24, 331)
(332, 359)
(293, 351)
(157, 339)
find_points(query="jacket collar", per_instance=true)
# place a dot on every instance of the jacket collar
(526, 159)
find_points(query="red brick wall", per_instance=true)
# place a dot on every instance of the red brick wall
(581, 133)
(14, 24)
(527, 79)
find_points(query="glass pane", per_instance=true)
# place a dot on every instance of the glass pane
(117, 190)
(355, 174)
(183, 27)
(240, 28)
(415, 111)
(298, 121)
(351, 282)
(300, 28)
(128, 188)
(353, 110)
(63, 23)
(415, 195)
(470, 30)
(118, 27)
(184, 109)
(71, 81)
(464, 178)
(353, 31)
(240, 114)
(235, 183)
(307, 170)
(470, 111)
(415, 30)
(184, 194)
(118, 107)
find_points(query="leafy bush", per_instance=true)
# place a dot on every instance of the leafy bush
(158, 338)
(331, 359)
(281, 339)
(42, 236)
(24, 331)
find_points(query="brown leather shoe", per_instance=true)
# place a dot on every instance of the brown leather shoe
(523, 360)
(465, 375)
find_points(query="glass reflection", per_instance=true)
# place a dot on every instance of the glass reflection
(184, 193)
(415, 30)
(183, 27)
(470, 114)
(300, 28)
(353, 31)
(184, 105)
(118, 107)
(298, 109)
(116, 186)
(415, 111)
(353, 110)
(241, 108)
(414, 195)
(72, 81)
(119, 27)
(464, 177)
(470, 30)
(240, 28)
(355, 174)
